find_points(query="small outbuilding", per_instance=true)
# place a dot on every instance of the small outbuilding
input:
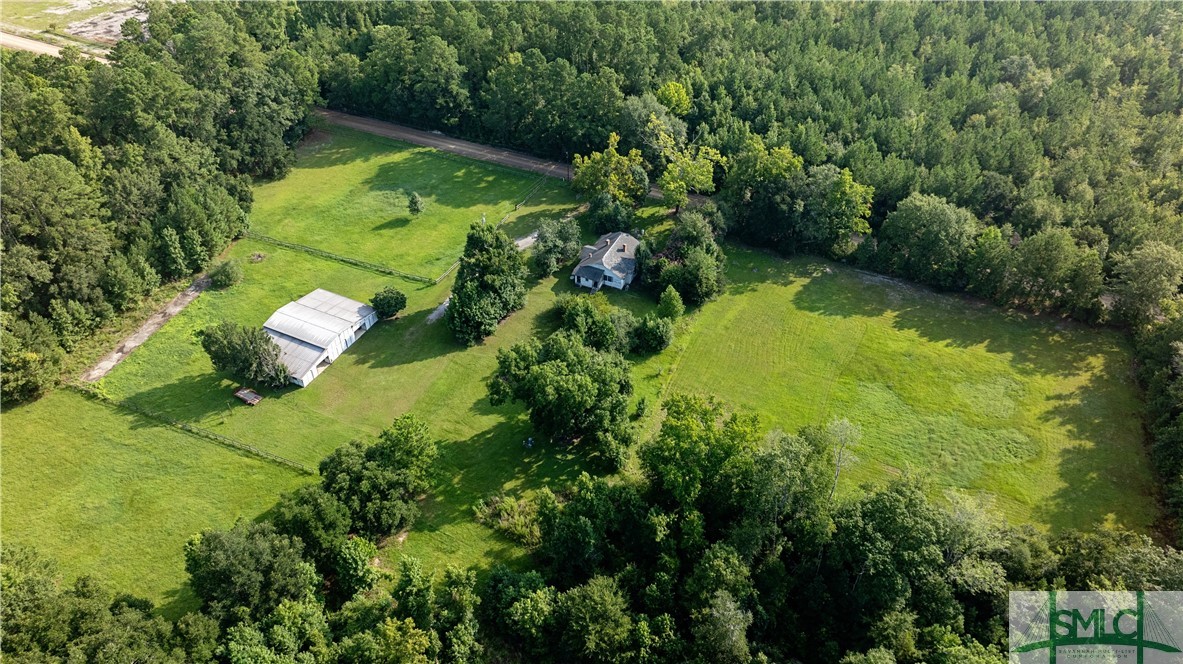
(314, 330)
(611, 261)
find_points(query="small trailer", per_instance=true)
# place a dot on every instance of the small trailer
(248, 396)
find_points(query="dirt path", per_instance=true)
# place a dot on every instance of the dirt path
(526, 241)
(154, 322)
(439, 311)
(459, 146)
(9, 40)
(444, 143)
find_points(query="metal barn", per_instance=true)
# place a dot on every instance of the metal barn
(314, 330)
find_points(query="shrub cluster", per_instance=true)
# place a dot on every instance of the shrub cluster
(247, 353)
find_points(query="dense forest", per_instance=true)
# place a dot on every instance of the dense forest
(1047, 138)
(119, 177)
(1031, 154)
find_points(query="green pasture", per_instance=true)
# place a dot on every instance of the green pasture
(401, 365)
(115, 495)
(1040, 415)
(347, 195)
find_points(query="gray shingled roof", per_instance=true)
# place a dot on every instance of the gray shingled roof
(614, 252)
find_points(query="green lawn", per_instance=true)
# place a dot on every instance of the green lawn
(400, 366)
(1042, 416)
(114, 495)
(347, 196)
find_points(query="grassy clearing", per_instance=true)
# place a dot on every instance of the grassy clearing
(400, 366)
(116, 496)
(43, 14)
(1042, 416)
(346, 196)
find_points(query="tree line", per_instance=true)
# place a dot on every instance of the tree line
(120, 177)
(729, 544)
(1054, 126)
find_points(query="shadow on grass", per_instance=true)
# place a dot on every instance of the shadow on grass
(1037, 345)
(345, 147)
(393, 224)
(747, 269)
(529, 222)
(405, 340)
(1096, 476)
(177, 602)
(461, 183)
(192, 398)
(484, 464)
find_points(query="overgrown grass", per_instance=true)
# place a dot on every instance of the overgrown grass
(348, 195)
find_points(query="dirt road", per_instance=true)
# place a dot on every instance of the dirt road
(459, 146)
(9, 40)
(444, 143)
(155, 322)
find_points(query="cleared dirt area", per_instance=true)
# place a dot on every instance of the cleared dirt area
(25, 44)
(105, 28)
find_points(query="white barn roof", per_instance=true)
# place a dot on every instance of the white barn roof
(298, 356)
(304, 329)
(336, 305)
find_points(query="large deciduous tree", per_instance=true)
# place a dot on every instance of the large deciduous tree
(687, 168)
(249, 566)
(691, 261)
(833, 209)
(573, 392)
(927, 239)
(558, 243)
(380, 484)
(1148, 280)
(247, 353)
(621, 176)
(490, 284)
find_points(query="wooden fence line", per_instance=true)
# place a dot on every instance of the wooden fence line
(355, 262)
(192, 430)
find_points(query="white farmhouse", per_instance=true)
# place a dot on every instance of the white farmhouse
(314, 330)
(611, 261)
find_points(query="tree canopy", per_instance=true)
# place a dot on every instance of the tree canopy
(490, 284)
(574, 393)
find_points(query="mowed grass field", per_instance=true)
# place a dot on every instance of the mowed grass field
(348, 196)
(1041, 416)
(114, 495)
